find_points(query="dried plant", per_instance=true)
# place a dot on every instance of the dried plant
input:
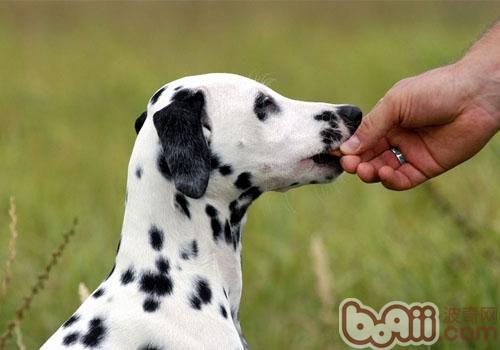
(83, 292)
(12, 248)
(19, 337)
(323, 280)
(38, 286)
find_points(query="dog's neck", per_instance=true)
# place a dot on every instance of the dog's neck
(198, 237)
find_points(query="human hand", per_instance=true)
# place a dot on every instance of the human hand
(438, 120)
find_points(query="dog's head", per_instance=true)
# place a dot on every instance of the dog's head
(228, 128)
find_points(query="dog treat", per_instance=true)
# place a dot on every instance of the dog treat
(336, 152)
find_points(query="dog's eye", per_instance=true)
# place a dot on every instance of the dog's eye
(264, 104)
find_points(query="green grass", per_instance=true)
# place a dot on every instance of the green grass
(75, 76)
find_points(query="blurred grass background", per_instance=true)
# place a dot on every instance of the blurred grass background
(75, 76)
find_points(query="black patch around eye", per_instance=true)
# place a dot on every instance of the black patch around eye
(263, 105)
(226, 170)
(156, 237)
(157, 95)
(98, 293)
(95, 334)
(128, 276)
(71, 320)
(71, 338)
(182, 202)
(243, 181)
(150, 305)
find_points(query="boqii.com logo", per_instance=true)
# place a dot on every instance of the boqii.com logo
(397, 323)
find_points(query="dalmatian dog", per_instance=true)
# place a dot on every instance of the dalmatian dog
(207, 147)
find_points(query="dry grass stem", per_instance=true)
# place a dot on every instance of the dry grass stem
(83, 292)
(12, 248)
(323, 279)
(19, 337)
(38, 286)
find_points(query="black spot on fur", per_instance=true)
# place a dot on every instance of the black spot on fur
(226, 170)
(71, 320)
(236, 236)
(252, 193)
(216, 228)
(326, 116)
(223, 311)
(178, 88)
(98, 293)
(156, 237)
(331, 135)
(149, 347)
(214, 221)
(214, 161)
(202, 294)
(150, 305)
(203, 290)
(138, 172)
(225, 294)
(71, 338)
(95, 334)
(128, 276)
(243, 181)
(156, 283)
(211, 211)
(263, 105)
(195, 302)
(227, 232)
(162, 265)
(157, 95)
(183, 203)
(237, 211)
(190, 251)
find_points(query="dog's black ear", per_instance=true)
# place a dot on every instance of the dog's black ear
(140, 121)
(179, 127)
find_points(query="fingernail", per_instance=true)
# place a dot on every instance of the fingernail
(350, 145)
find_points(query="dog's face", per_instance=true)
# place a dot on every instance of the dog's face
(225, 125)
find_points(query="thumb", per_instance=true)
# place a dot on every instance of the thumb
(373, 127)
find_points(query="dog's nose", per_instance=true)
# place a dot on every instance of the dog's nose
(351, 115)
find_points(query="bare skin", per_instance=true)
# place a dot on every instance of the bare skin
(438, 120)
